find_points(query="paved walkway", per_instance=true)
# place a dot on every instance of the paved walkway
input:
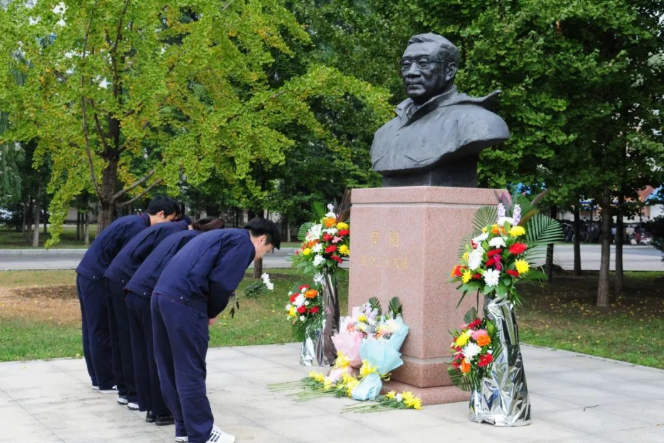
(636, 258)
(575, 399)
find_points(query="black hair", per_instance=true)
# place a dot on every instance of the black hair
(263, 226)
(179, 209)
(208, 224)
(162, 203)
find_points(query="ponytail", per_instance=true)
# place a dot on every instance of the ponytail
(208, 224)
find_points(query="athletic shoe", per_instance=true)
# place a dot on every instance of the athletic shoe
(219, 436)
(122, 400)
(184, 439)
(95, 387)
(164, 420)
(133, 406)
(113, 390)
(150, 417)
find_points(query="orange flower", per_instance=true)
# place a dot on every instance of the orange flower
(329, 222)
(483, 340)
(465, 367)
(312, 243)
(497, 230)
(311, 293)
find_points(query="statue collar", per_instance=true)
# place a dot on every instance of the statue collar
(406, 112)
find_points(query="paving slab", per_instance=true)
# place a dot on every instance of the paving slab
(575, 399)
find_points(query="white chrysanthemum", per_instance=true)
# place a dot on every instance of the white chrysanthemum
(331, 231)
(481, 238)
(475, 258)
(61, 23)
(399, 397)
(306, 303)
(491, 277)
(299, 300)
(270, 286)
(497, 242)
(331, 214)
(471, 350)
(318, 260)
(503, 220)
(303, 318)
(318, 247)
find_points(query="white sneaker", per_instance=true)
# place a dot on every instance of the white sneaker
(219, 436)
(184, 439)
(122, 400)
(133, 406)
(95, 387)
(113, 390)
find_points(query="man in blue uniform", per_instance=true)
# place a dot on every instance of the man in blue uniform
(119, 272)
(192, 291)
(93, 294)
(139, 291)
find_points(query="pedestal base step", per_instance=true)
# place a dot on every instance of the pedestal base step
(430, 396)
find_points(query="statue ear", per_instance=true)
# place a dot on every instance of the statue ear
(450, 71)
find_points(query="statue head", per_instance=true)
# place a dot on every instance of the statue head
(428, 66)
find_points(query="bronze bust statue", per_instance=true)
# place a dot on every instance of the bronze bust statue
(438, 133)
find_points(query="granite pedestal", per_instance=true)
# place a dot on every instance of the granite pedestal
(405, 242)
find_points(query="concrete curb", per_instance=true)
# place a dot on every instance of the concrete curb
(43, 252)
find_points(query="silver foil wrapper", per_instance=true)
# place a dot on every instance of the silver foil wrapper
(317, 348)
(503, 397)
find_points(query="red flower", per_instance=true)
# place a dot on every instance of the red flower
(475, 323)
(302, 309)
(477, 276)
(330, 249)
(490, 262)
(337, 259)
(293, 297)
(493, 252)
(474, 245)
(304, 287)
(485, 360)
(314, 310)
(512, 272)
(456, 272)
(518, 248)
(327, 237)
(343, 232)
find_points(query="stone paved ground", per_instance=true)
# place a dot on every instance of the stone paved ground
(575, 398)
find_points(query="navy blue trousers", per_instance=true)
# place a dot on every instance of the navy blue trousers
(95, 328)
(181, 337)
(145, 366)
(123, 364)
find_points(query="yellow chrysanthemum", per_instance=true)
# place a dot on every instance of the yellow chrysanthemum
(307, 251)
(517, 231)
(391, 394)
(367, 368)
(342, 360)
(350, 385)
(344, 250)
(407, 396)
(292, 311)
(463, 339)
(341, 226)
(485, 229)
(465, 256)
(466, 276)
(362, 318)
(327, 383)
(522, 266)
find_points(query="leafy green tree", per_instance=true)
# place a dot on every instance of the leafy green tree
(125, 96)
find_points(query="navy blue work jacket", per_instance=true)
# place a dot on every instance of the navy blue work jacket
(108, 244)
(209, 268)
(146, 276)
(131, 256)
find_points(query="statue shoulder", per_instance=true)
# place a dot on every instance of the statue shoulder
(477, 122)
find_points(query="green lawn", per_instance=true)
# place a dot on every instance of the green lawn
(560, 315)
(11, 239)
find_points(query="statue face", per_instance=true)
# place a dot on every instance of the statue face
(424, 73)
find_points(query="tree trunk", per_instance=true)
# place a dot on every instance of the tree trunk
(258, 268)
(549, 251)
(577, 241)
(45, 225)
(78, 226)
(35, 232)
(108, 183)
(605, 260)
(86, 229)
(24, 229)
(288, 232)
(620, 227)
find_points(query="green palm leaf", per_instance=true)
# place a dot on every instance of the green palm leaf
(485, 216)
(302, 232)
